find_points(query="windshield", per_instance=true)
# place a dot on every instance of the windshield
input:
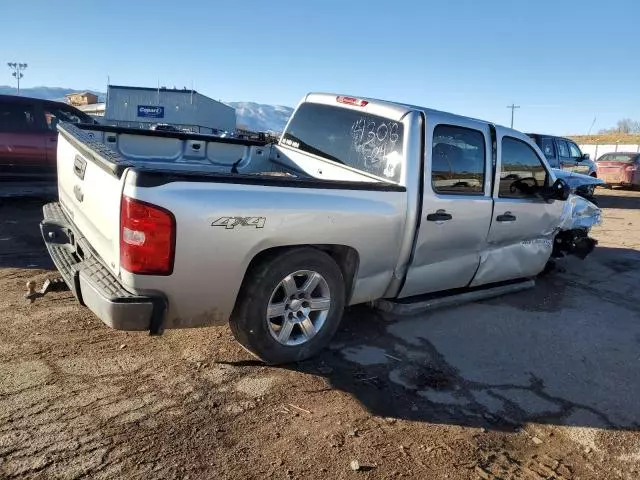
(366, 142)
(618, 157)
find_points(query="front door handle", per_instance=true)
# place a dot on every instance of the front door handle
(439, 216)
(506, 217)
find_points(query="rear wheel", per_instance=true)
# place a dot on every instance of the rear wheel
(290, 306)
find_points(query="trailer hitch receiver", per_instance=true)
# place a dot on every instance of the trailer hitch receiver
(50, 285)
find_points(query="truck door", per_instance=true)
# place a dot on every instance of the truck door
(51, 140)
(520, 238)
(54, 114)
(456, 206)
(22, 150)
(566, 162)
(579, 165)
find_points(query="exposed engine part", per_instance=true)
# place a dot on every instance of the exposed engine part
(573, 242)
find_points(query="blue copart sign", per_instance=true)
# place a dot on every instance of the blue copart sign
(150, 111)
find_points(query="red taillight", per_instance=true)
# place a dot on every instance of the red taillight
(147, 238)
(352, 101)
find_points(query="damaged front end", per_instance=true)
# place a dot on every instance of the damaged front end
(567, 234)
(578, 216)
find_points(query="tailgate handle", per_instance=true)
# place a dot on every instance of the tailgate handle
(439, 216)
(79, 167)
(506, 217)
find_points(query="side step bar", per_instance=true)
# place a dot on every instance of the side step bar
(424, 303)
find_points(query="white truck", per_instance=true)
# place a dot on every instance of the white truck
(360, 200)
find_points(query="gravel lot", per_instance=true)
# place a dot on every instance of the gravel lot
(540, 384)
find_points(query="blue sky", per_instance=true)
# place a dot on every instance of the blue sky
(564, 61)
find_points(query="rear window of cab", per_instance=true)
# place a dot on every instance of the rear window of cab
(365, 142)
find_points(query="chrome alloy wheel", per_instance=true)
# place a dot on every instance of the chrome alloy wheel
(298, 307)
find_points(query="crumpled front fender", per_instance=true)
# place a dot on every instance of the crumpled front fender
(579, 213)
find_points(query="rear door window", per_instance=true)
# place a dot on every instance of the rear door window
(563, 149)
(549, 151)
(458, 160)
(17, 117)
(369, 143)
(546, 145)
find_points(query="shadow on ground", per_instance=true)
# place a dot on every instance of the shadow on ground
(631, 199)
(20, 243)
(564, 353)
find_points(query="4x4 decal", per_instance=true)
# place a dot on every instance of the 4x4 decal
(233, 222)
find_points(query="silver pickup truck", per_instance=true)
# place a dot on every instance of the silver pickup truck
(360, 200)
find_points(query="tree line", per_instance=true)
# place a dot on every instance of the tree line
(626, 125)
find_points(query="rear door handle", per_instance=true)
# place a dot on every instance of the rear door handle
(506, 217)
(439, 216)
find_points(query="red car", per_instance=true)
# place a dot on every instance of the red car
(620, 168)
(29, 138)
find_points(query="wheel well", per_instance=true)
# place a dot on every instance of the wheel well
(346, 258)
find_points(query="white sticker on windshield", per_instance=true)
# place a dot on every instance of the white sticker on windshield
(393, 160)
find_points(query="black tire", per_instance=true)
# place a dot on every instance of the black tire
(248, 322)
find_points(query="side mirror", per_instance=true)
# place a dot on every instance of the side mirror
(560, 190)
(585, 156)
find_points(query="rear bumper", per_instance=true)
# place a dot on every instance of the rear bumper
(620, 177)
(92, 283)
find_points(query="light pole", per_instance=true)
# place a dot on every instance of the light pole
(513, 107)
(17, 68)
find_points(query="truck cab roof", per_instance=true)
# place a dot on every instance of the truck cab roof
(396, 110)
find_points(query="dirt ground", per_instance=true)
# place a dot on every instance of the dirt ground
(542, 384)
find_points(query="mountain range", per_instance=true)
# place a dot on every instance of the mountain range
(250, 115)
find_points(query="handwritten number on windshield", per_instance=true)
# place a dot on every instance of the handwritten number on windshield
(373, 140)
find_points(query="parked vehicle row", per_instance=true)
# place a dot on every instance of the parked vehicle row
(360, 200)
(29, 136)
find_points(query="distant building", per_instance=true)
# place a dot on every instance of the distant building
(94, 109)
(141, 107)
(81, 98)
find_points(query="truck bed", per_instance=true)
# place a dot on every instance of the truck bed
(118, 148)
(160, 157)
